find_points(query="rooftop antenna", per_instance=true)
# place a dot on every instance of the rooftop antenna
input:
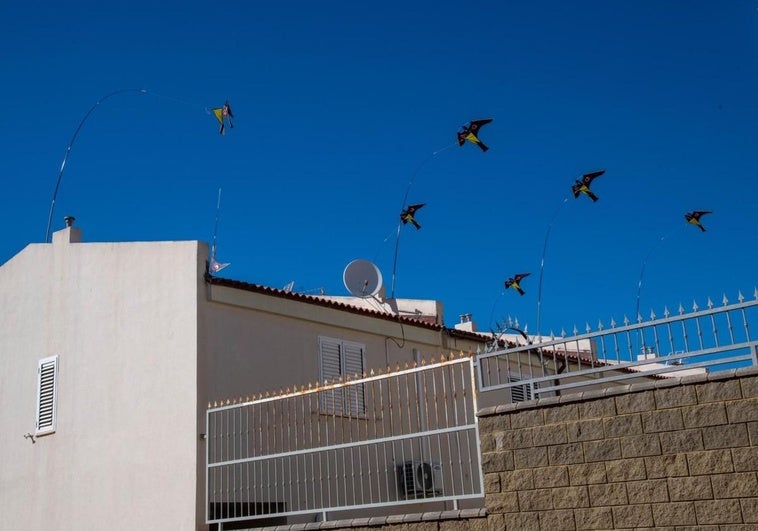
(215, 266)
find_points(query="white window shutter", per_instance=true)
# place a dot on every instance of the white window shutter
(353, 365)
(47, 395)
(330, 371)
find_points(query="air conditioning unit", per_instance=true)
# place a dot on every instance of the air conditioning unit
(419, 479)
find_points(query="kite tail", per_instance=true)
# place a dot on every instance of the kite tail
(483, 146)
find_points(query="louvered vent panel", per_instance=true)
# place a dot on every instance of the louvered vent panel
(46, 397)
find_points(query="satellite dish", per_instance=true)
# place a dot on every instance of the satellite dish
(362, 278)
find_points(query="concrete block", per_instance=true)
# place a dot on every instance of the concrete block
(626, 469)
(736, 485)
(678, 396)
(587, 474)
(633, 516)
(727, 436)
(640, 445)
(650, 491)
(718, 391)
(571, 497)
(635, 402)
(710, 462)
(690, 488)
(585, 430)
(674, 514)
(702, 415)
(594, 518)
(662, 420)
(608, 494)
(666, 466)
(606, 450)
(718, 512)
(565, 454)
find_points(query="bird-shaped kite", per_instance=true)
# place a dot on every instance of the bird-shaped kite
(514, 281)
(409, 215)
(694, 217)
(583, 186)
(224, 114)
(471, 133)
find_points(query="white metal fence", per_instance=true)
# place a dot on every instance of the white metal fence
(379, 440)
(714, 338)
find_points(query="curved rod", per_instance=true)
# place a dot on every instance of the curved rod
(642, 269)
(70, 145)
(542, 263)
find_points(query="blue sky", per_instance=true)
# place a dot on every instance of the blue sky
(338, 111)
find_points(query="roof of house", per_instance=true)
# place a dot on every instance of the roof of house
(330, 302)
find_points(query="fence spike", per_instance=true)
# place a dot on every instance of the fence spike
(552, 335)
(740, 297)
(563, 332)
(652, 314)
(406, 366)
(725, 301)
(599, 324)
(227, 402)
(613, 322)
(639, 317)
(681, 309)
(371, 372)
(215, 404)
(755, 293)
(666, 312)
(709, 304)
(626, 320)
(576, 330)
(587, 327)
(695, 307)
(423, 361)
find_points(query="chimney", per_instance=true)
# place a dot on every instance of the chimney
(466, 324)
(69, 234)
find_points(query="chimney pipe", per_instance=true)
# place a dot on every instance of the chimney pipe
(69, 220)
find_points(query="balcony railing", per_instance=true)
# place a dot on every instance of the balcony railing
(714, 338)
(376, 441)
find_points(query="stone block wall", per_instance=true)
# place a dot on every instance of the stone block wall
(674, 453)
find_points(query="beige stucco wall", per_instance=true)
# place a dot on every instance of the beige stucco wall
(122, 318)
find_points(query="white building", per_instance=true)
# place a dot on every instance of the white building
(111, 352)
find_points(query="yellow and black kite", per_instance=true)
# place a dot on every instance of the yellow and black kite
(583, 186)
(409, 215)
(694, 217)
(224, 114)
(470, 132)
(514, 282)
